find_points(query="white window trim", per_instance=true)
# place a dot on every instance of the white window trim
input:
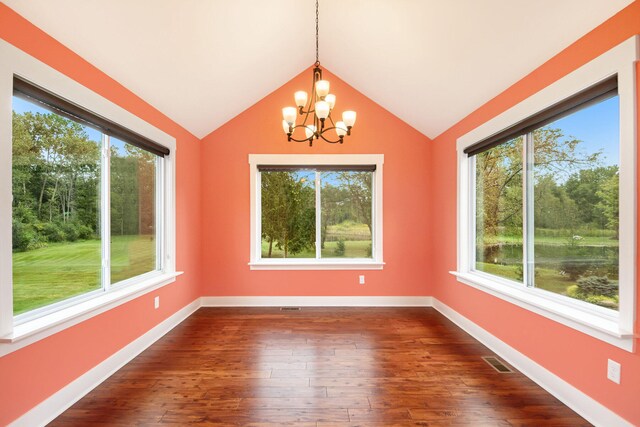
(13, 61)
(257, 263)
(615, 328)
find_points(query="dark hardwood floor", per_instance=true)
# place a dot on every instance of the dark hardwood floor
(317, 367)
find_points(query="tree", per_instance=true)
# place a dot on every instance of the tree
(288, 212)
(584, 188)
(609, 196)
(499, 177)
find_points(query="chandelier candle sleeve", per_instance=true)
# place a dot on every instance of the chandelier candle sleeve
(285, 126)
(331, 100)
(322, 88)
(289, 114)
(349, 118)
(310, 131)
(322, 109)
(301, 98)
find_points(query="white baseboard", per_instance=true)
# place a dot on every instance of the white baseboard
(60, 401)
(317, 301)
(587, 407)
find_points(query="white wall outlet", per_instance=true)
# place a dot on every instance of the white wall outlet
(613, 371)
(156, 302)
(362, 279)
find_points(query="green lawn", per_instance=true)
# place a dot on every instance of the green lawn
(63, 270)
(352, 249)
(559, 237)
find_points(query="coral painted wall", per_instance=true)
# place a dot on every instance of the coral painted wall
(33, 373)
(225, 189)
(577, 358)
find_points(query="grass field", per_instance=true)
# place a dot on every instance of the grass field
(63, 270)
(356, 238)
(352, 249)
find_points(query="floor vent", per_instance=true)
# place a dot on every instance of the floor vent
(497, 364)
(289, 308)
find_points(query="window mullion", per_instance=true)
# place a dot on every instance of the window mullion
(105, 213)
(318, 217)
(528, 211)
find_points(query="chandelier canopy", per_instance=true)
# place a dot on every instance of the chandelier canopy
(315, 111)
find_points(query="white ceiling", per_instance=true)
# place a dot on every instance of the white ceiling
(430, 62)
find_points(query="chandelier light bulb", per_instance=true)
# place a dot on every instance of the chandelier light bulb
(309, 130)
(322, 88)
(285, 126)
(322, 109)
(349, 118)
(341, 128)
(301, 98)
(331, 100)
(289, 115)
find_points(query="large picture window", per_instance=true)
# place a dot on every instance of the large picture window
(566, 173)
(547, 195)
(66, 170)
(316, 215)
(89, 218)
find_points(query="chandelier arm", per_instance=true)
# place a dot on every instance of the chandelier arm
(338, 141)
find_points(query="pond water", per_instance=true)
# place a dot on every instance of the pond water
(594, 260)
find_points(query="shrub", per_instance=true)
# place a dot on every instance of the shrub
(597, 285)
(53, 232)
(22, 235)
(85, 232)
(70, 231)
(574, 269)
(369, 250)
(340, 248)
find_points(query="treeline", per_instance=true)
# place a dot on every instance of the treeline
(57, 178)
(572, 190)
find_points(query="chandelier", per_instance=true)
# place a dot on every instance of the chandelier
(316, 110)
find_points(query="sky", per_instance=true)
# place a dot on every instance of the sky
(597, 127)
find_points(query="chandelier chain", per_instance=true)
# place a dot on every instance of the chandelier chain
(317, 27)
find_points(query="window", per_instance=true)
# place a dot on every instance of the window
(316, 211)
(542, 216)
(87, 206)
(64, 167)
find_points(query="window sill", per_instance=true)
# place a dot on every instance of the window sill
(306, 264)
(602, 326)
(42, 327)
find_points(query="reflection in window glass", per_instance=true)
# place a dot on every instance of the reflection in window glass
(133, 214)
(499, 210)
(288, 214)
(346, 214)
(56, 207)
(576, 204)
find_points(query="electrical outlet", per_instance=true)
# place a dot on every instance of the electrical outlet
(362, 279)
(156, 302)
(613, 371)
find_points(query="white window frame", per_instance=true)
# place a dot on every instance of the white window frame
(258, 263)
(21, 330)
(613, 327)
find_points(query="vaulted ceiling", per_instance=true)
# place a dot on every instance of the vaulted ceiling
(430, 62)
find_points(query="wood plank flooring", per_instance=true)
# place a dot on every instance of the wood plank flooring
(317, 367)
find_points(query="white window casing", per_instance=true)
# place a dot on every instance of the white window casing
(24, 329)
(258, 263)
(607, 325)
